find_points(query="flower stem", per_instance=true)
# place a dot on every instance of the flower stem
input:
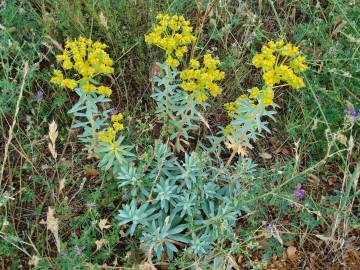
(230, 158)
(91, 117)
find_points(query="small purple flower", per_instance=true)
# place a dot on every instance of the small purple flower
(269, 228)
(113, 111)
(39, 96)
(352, 114)
(78, 249)
(299, 193)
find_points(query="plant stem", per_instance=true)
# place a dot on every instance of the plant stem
(91, 117)
(230, 158)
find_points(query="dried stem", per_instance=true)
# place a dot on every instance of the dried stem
(11, 130)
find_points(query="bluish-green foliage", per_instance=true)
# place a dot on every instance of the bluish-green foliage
(177, 110)
(187, 201)
(174, 201)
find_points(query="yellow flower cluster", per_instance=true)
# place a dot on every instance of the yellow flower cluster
(61, 81)
(88, 59)
(109, 136)
(201, 80)
(281, 62)
(172, 34)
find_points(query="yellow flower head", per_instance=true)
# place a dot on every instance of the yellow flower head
(88, 88)
(172, 62)
(280, 43)
(104, 90)
(87, 59)
(194, 63)
(67, 64)
(281, 63)
(57, 78)
(264, 61)
(179, 52)
(107, 136)
(289, 50)
(69, 83)
(202, 79)
(103, 137)
(230, 107)
(271, 77)
(201, 96)
(254, 92)
(268, 96)
(298, 64)
(118, 126)
(117, 117)
(172, 34)
(210, 62)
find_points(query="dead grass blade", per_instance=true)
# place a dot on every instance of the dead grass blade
(53, 134)
(53, 226)
(11, 130)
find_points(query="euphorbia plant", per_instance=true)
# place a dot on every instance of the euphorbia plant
(194, 199)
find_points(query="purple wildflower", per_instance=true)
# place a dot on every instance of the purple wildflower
(269, 228)
(78, 249)
(299, 193)
(352, 114)
(113, 111)
(39, 96)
